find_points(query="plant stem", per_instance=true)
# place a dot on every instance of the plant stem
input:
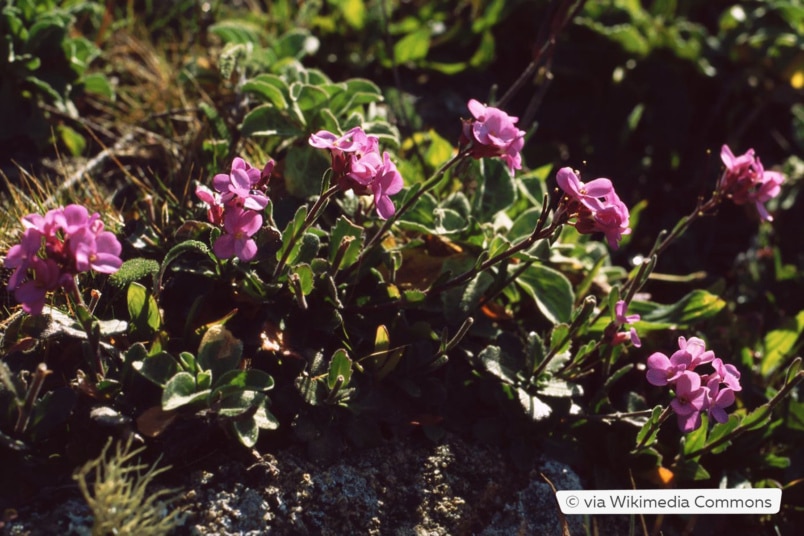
(315, 210)
(538, 233)
(428, 185)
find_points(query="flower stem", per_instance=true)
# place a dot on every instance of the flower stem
(428, 185)
(312, 215)
(538, 233)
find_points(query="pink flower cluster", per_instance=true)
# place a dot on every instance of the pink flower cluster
(358, 165)
(695, 393)
(236, 203)
(493, 133)
(746, 181)
(621, 319)
(595, 205)
(54, 248)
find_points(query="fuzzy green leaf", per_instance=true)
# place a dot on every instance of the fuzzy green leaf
(550, 289)
(180, 391)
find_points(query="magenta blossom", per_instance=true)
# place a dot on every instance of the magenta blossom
(726, 373)
(591, 194)
(493, 133)
(621, 319)
(595, 206)
(54, 248)
(746, 181)
(697, 349)
(240, 226)
(387, 182)
(213, 199)
(663, 370)
(689, 401)
(31, 294)
(717, 400)
(236, 205)
(238, 188)
(711, 393)
(358, 165)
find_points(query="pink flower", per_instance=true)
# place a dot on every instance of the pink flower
(240, 226)
(358, 165)
(54, 248)
(620, 320)
(387, 182)
(591, 195)
(663, 370)
(31, 294)
(697, 349)
(689, 401)
(716, 393)
(213, 199)
(493, 133)
(99, 252)
(727, 373)
(20, 256)
(612, 220)
(239, 186)
(746, 181)
(717, 399)
(595, 206)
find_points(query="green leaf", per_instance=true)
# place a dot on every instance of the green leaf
(308, 97)
(696, 306)
(271, 88)
(51, 412)
(305, 275)
(779, 343)
(524, 224)
(264, 419)
(497, 192)
(690, 470)
(219, 351)
(267, 120)
(721, 430)
(237, 31)
(647, 434)
(143, 309)
(74, 141)
(413, 46)
(158, 368)
(180, 391)
(349, 236)
(696, 439)
(188, 246)
(339, 366)
(235, 381)
(296, 43)
(353, 11)
(485, 53)
(99, 84)
(495, 362)
(133, 270)
(462, 301)
(533, 406)
(304, 170)
(289, 236)
(550, 289)
(757, 418)
(246, 430)
(238, 403)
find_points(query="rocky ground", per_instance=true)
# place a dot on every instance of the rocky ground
(414, 488)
